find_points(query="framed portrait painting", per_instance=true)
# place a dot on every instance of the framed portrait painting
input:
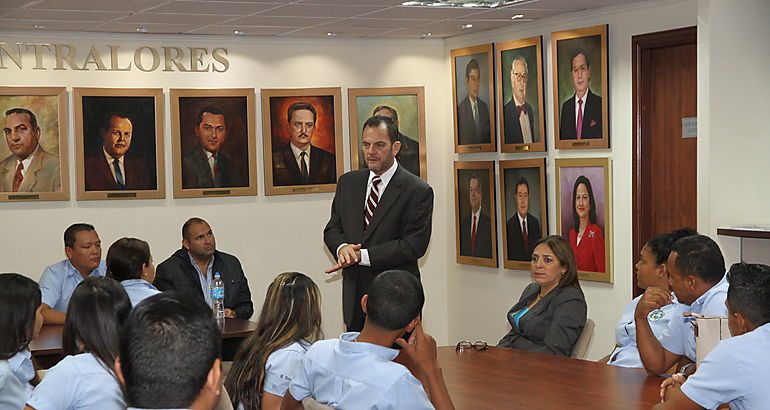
(33, 155)
(214, 142)
(520, 103)
(119, 143)
(581, 91)
(584, 192)
(406, 105)
(523, 187)
(475, 226)
(302, 136)
(473, 87)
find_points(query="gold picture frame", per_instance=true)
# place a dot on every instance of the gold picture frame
(523, 188)
(282, 171)
(49, 180)
(408, 103)
(480, 247)
(136, 111)
(593, 252)
(229, 110)
(468, 137)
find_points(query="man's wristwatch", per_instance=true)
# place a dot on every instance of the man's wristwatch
(683, 370)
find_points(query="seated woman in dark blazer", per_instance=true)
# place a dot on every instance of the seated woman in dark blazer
(551, 312)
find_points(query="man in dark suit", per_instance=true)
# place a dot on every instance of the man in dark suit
(380, 218)
(204, 165)
(523, 229)
(191, 270)
(476, 228)
(581, 115)
(473, 113)
(299, 162)
(110, 169)
(409, 154)
(518, 117)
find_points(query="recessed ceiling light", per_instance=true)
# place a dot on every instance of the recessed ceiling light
(518, 16)
(331, 34)
(487, 4)
(466, 26)
(40, 26)
(142, 29)
(425, 35)
(239, 33)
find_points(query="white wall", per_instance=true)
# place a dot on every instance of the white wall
(733, 102)
(480, 297)
(266, 233)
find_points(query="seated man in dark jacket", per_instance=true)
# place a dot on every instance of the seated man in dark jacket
(191, 269)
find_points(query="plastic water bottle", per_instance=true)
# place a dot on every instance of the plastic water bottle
(218, 300)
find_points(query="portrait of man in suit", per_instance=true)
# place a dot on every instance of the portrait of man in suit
(205, 165)
(299, 162)
(520, 124)
(472, 112)
(381, 218)
(409, 154)
(110, 168)
(476, 228)
(523, 228)
(29, 168)
(581, 114)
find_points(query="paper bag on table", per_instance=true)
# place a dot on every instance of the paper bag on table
(709, 330)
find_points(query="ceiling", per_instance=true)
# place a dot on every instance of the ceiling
(283, 18)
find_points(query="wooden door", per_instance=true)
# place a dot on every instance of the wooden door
(664, 163)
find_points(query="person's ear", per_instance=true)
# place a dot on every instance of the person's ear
(742, 322)
(691, 282)
(186, 244)
(660, 271)
(396, 147)
(119, 372)
(214, 379)
(364, 299)
(68, 252)
(410, 327)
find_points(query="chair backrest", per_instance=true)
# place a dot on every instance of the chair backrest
(309, 403)
(581, 345)
(224, 401)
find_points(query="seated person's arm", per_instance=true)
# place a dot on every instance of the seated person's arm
(674, 398)
(422, 350)
(288, 402)
(569, 317)
(52, 317)
(655, 357)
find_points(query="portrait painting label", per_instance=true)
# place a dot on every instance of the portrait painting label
(584, 218)
(476, 240)
(520, 104)
(473, 91)
(523, 186)
(581, 88)
(302, 133)
(33, 154)
(214, 142)
(119, 143)
(406, 106)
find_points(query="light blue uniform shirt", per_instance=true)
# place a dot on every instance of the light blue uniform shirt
(679, 337)
(78, 382)
(281, 365)
(345, 374)
(206, 278)
(15, 374)
(735, 372)
(60, 280)
(138, 290)
(626, 353)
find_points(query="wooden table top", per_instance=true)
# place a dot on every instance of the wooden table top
(500, 378)
(49, 342)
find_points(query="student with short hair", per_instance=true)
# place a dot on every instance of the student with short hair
(357, 370)
(20, 321)
(129, 261)
(736, 371)
(169, 354)
(86, 377)
(289, 323)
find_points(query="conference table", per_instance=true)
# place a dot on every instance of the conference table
(47, 347)
(500, 378)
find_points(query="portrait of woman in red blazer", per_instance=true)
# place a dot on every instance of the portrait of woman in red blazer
(585, 236)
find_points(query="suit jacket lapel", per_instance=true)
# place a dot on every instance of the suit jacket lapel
(30, 177)
(389, 197)
(8, 172)
(291, 163)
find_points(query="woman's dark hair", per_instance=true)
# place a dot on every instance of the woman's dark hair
(95, 314)
(19, 300)
(660, 245)
(291, 312)
(126, 257)
(563, 252)
(592, 204)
